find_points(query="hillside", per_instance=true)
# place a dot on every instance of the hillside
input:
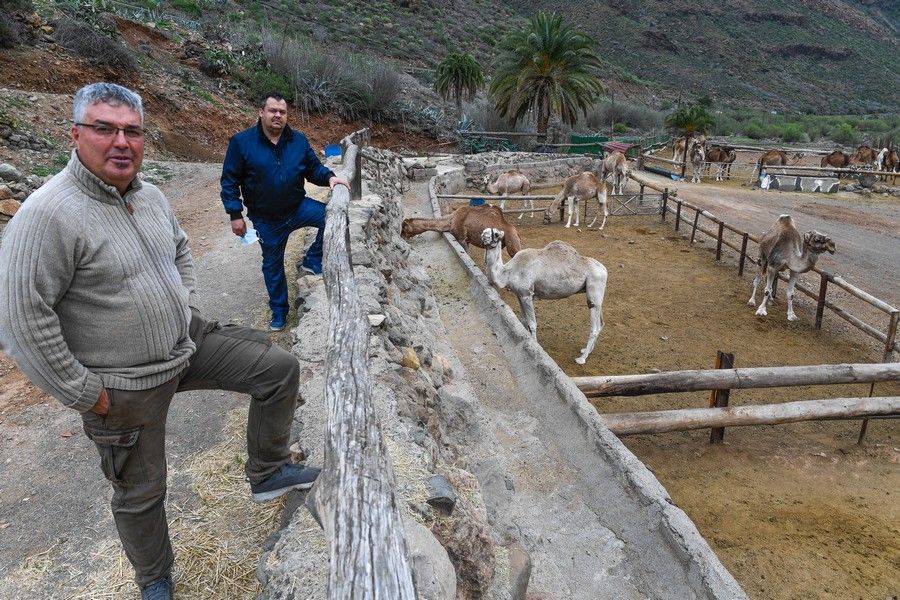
(834, 56)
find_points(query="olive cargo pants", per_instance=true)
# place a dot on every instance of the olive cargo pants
(131, 438)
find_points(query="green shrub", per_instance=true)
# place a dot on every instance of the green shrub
(188, 6)
(754, 131)
(843, 133)
(792, 132)
(84, 40)
(264, 81)
(620, 128)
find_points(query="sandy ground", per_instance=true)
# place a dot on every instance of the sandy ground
(793, 511)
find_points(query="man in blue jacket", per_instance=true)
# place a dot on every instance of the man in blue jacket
(267, 165)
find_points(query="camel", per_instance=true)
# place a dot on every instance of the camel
(723, 156)
(777, 158)
(616, 165)
(511, 182)
(580, 187)
(698, 157)
(782, 247)
(552, 272)
(837, 159)
(679, 146)
(466, 224)
(864, 155)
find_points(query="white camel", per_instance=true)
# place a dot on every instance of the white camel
(580, 187)
(698, 157)
(511, 182)
(552, 272)
(616, 165)
(782, 247)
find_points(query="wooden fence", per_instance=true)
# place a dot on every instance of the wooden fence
(718, 416)
(888, 337)
(354, 496)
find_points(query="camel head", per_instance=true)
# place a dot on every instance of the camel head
(486, 182)
(406, 231)
(818, 242)
(491, 238)
(798, 156)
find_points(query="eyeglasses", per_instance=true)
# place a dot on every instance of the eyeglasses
(132, 132)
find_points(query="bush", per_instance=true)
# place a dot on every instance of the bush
(85, 41)
(792, 132)
(9, 31)
(188, 6)
(754, 131)
(629, 115)
(620, 128)
(844, 133)
(264, 81)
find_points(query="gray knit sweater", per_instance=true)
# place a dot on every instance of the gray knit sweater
(95, 288)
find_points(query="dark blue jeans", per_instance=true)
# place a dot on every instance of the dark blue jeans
(273, 238)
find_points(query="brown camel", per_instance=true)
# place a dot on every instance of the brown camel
(777, 158)
(723, 156)
(616, 165)
(580, 187)
(466, 224)
(782, 247)
(864, 155)
(837, 159)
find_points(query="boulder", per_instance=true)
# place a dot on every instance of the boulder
(9, 172)
(8, 207)
(434, 575)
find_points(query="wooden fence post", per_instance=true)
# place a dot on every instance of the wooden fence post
(665, 203)
(888, 354)
(356, 182)
(677, 214)
(743, 254)
(694, 228)
(719, 398)
(642, 194)
(820, 305)
(719, 241)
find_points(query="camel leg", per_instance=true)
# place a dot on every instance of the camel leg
(576, 201)
(503, 201)
(570, 202)
(596, 311)
(767, 293)
(528, 317)
(792, 280)
(605, 211)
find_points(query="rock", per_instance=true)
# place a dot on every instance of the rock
(410, 359)
(5, 192)
(376, 320)
(519, 571)
(8, 206)
(9, 172)
(440, 493)
(434, 575)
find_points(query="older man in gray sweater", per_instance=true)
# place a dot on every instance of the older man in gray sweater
(96, 277)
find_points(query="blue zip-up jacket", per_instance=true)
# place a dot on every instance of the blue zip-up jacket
(268, 176)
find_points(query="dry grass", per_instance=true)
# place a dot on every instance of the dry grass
(217, 542)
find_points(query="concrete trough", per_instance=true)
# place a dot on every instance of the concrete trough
(659, 551)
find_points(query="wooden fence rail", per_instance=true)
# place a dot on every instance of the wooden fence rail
(354, 496)
(735, 379)
(888, 338)
(764, 414)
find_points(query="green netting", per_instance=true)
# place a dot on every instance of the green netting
(596, 142)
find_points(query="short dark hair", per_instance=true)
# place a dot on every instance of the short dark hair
(273, 95)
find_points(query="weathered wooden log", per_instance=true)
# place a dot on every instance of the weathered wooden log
(734, 379)
(484, 197)
(766, 414)
(354, 495)
(646, 183)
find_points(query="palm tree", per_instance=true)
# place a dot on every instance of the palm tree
(690, 120)
(548, 66)
(459, 76)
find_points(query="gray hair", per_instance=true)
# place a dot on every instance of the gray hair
(108, 93)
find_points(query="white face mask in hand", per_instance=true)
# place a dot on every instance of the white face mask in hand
(250, 237)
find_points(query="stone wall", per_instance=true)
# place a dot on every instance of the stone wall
(424, 420)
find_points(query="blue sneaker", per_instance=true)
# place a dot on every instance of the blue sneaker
(310, 270)
(289, 477)
(161, 589)
(278, 322)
